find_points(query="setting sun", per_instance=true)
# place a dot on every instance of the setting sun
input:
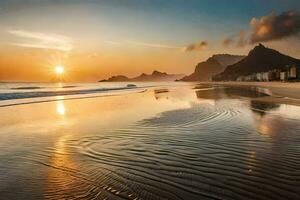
(59, 69)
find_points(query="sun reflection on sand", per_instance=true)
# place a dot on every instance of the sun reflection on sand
(60, 106)
(264, 129)
(61, 168)
(251, 159)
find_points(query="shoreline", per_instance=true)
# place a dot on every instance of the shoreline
(279, 89)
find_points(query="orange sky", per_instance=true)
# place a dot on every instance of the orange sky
(26, 64)
(97, 39)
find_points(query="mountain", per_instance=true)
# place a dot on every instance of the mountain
(155, 76)
(204, 71)
(259, 59)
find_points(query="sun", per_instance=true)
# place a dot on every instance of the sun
(59, 69)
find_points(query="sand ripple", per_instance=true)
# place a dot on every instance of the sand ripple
(204, 152)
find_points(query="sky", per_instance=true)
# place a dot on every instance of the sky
(95, 39)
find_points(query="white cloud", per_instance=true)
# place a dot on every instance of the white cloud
(42, 40)
(144, 44)
(154, 45)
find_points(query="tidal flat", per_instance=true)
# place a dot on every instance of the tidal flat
(180, 142)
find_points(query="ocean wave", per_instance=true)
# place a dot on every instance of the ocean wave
(35, 94)
(26, 88)
(38, 87)
(69, 86)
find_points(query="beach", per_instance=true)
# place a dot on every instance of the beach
(184, 141)
(282, 89)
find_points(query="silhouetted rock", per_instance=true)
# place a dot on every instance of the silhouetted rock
(155, 76)
(204, 71)
(119, 78)
(259, 59)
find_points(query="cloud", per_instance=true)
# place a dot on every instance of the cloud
(144, 44)
(112, 42)
(274, 27)
(267, 28)
(41, 40)
(196, 47)
(154, 45)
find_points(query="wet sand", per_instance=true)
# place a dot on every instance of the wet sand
(184, 142)
(282, 89)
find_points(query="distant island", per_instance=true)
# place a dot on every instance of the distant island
(155, 76)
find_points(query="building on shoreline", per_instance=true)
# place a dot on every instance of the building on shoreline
(289, 73)
(292, 72)
(283, 76)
